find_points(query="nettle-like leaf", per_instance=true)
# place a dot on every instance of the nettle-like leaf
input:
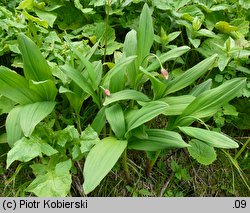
(88, 139)
(157, 140)
(26, 149)
(212, 138)
(54, 183)
(100, 160)
(202, 152)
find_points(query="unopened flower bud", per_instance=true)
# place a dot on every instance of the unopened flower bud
(164, 73)
(107, 92)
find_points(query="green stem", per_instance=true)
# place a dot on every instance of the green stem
(242, 149)
(125, 164)
(106, 31)
(151, 163)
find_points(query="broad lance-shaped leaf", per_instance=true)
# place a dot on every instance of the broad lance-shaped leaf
(16, 87)
(36, 69)
(197, 90)
(115, 117)
(191, 75)
(26, 149)
(125, 95)
(151, 110)
(208, 102)
(13, 127)
(177, 104)
(32, 114)
(54, 183)
(100, 160)
(81, 81)
(22, 120)
(99, 120)
(119, 67)
(35, 66)
(212, 138)
(89, 66)
(145, 34)
(130, 49)
(157, 140)
(170, 55)
(202, 152)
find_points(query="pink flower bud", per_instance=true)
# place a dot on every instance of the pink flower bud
(107, 92)
(164, 73)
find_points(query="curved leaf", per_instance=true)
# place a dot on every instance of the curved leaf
(191, 75)
(157, 140)
(32, 114)
(115, 117)
(212, 138)
(146, 113)
(125, 95)
(100, 161)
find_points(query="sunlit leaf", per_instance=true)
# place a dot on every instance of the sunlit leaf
(202, 152)
(55, 183)
(26, 149)
(212, 138)
(100, 161)
(157, 140)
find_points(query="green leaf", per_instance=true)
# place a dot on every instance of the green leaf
(100, 161)
(88, 139)
(32, 114)
(119, 67)
(177, 104)
(138, 117)
(26, 149)
(202, 152)
(157, 140)
(197, 90)
(191, 75)
(213, 139)
(68, 134)
(49, 17)
(89, 66)
(145, 34)
(99, 121)
(55, 183)
(13, 127)
(16, 87)
(170, 55)
(115, 117)
(208, 102)
(125, 95)
(130, 49)
(81, 81)
(35, 66)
